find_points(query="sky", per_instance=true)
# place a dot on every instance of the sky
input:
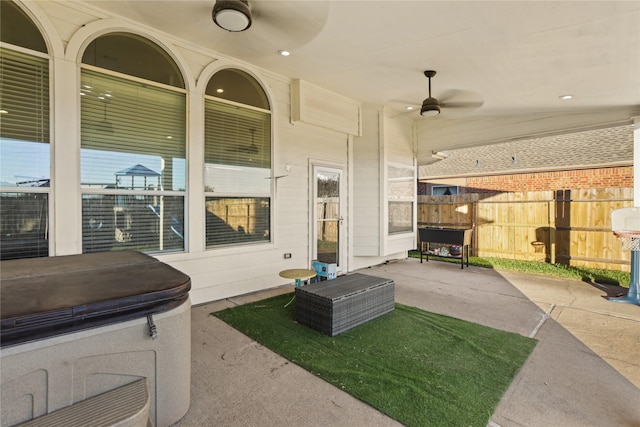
(23, 161)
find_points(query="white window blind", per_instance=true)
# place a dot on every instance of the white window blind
(133, 164)
(237, 174)
(125, 123)
(24, 155)
(24, 96)
(237, 149)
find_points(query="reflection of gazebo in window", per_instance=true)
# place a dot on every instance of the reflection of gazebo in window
(138, 177)
(126, 178)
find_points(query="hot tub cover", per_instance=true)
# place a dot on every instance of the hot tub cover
(43, 297)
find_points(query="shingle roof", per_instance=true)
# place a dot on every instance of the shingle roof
(139, 170)
(601, 147)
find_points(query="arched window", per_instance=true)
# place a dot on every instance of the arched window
(134, 56)
(237, 86)
(24, 136)
(18, 29)
(237, 160)
(133, 146)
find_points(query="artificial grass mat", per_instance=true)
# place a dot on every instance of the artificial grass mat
(420, 368)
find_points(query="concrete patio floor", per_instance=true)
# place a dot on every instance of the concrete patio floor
(584, 371)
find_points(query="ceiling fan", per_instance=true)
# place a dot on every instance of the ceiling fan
(232, 15)
(450, 99)
(260, 28)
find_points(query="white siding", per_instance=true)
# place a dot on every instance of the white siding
(398, 137)
(224, 272)
(385, 139)
(366, 187)
(314, 105)
(398, 149)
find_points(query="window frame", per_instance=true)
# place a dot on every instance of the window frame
(46, 57)
(92, 191)
(410, 197)
(270, 195)
(457, 189)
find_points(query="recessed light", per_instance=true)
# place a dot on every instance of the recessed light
(284, 52)
(219, 90)
(409, 108)
(566, 96)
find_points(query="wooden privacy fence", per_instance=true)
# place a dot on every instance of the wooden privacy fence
(566, 226)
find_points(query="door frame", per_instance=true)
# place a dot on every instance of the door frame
(314, 167)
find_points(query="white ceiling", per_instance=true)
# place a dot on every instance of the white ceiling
(515, 57)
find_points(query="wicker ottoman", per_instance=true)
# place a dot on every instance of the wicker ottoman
(335, 306)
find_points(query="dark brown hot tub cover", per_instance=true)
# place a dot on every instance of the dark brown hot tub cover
(43, 297)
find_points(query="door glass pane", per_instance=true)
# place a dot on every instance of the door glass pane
(328, 216)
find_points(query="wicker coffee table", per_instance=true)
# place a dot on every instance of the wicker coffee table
(335, 306)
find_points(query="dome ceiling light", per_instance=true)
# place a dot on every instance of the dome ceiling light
(232, 15)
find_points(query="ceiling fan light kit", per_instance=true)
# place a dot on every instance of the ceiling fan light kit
(232, 15)
(430, 106)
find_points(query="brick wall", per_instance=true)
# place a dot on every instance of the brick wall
(616, 177)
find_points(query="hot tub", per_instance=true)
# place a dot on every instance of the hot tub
(76, 326)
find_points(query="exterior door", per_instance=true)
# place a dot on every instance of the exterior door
(328, 236)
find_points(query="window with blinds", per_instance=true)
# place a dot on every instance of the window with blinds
(237, 174)
(24, 119)
(133, 164)
(24, 154)
(400, 198)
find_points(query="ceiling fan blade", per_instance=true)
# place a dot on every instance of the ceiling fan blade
(467, 105)
(277, 25)
(456, 98)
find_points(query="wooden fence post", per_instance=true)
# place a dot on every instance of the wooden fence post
(474, 222)
(552, 231)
